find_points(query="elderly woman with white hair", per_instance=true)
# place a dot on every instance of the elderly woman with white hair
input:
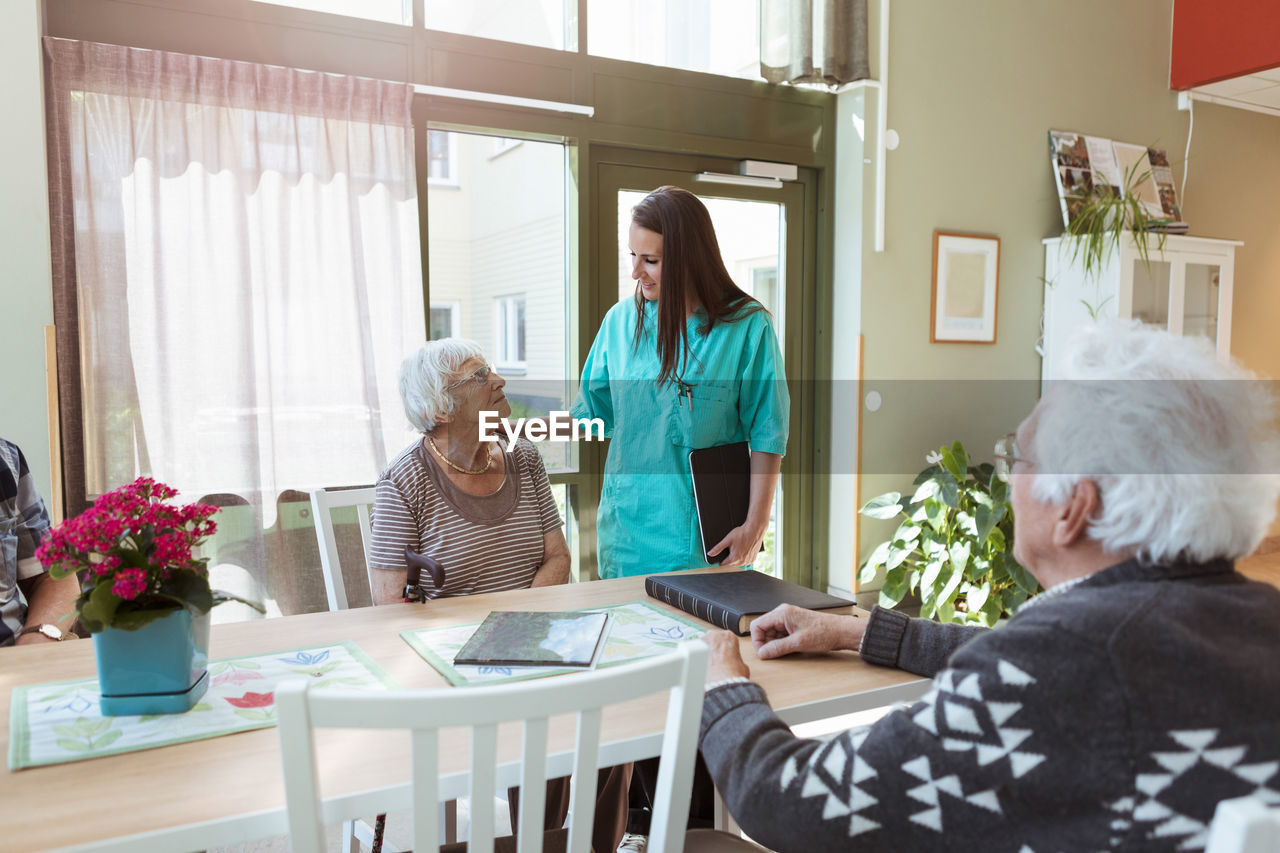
(1112, 712)
(483, 514)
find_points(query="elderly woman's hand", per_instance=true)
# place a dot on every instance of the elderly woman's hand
(725, 660)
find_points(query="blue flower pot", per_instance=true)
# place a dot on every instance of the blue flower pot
(157, 669)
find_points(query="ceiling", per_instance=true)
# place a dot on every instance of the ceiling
(1259, 92)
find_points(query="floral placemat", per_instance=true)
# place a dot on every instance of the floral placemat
(637, 629)
(59, 722)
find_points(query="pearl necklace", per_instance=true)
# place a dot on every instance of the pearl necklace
(459, 468)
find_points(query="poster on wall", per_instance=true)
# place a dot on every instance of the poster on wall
(966, 273)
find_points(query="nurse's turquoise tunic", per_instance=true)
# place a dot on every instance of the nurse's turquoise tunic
(734, 389)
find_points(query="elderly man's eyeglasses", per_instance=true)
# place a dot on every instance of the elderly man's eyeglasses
(1006, 454)
(480, 377)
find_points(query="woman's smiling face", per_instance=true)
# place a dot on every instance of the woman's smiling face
(646, 260)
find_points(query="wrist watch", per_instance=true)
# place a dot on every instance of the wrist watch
(53, 632)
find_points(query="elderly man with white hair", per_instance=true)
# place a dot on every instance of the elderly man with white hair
(1110, 713)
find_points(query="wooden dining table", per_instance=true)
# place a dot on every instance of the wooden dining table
(227, 789)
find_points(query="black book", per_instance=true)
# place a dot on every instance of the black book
(732, 600)
(721, 492)
(534, 638)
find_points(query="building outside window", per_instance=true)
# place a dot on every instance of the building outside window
(442, 158)
(445, 321)
(509, 335)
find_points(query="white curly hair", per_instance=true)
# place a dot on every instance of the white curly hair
(425, 376)
(1182, 447)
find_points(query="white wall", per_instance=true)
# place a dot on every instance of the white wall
(25, 289)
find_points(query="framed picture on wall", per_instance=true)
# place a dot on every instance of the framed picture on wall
(966, 272)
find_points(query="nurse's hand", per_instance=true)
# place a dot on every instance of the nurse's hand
(743, 544)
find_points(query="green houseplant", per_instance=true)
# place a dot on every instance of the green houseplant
(145, 598)
(1100, 217)
(954, 544)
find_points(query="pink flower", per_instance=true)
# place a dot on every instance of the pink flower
(130, 583)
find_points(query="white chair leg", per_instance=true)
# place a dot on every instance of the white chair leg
(348, 842)
(721, 817)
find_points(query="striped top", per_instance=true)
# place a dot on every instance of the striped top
(486, 543)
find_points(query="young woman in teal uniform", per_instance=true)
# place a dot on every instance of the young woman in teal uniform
(691, 362)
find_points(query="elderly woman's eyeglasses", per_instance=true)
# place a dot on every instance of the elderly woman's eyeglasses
(480, 377)
(1006, 455)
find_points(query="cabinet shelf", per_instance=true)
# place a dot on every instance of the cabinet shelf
(1189, 281)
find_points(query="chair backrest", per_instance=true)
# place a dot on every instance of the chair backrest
(424, 712)
(323, 502)
(1245, 825)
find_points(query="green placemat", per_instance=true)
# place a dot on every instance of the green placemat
(637, 629)
(59, 722)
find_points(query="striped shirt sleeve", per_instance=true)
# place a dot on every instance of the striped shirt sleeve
(393, 528)
(548, 512)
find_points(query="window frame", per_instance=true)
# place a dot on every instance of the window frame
(455, 318)
(510, 309)
(705, 114)
(450, 179)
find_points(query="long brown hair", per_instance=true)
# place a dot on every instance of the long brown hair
(691, 267)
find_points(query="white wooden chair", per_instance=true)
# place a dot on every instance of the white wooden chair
(424, 712)
(323, 502)
(1244, 825)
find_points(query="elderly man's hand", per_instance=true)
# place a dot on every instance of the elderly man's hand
(725, 661)
(787, 629)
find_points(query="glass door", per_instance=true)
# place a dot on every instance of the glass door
(761, 235)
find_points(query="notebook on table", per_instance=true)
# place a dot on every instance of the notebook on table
(732, 600)
(721, 492)
(535, 638)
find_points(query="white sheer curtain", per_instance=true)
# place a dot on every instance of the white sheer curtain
(242, 266)
(247, 266)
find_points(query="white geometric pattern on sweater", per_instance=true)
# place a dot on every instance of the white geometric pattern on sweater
(1199, 753)
(835, 771)
(966, 722)
(825, 775)
(928, 793)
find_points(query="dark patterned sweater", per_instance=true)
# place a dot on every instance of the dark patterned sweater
(1111, 717)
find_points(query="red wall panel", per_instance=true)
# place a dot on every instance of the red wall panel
(1217, 39)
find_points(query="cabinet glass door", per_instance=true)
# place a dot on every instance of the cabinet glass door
(1200, 308)
(1151, 292)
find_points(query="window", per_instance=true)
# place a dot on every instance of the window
(391, 11)
(715, 36)
(508, 350)
(541, 23)
(444, 321)
(442, 158)
(497, 245)
(249, 280)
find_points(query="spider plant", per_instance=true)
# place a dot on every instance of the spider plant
(1102, 216)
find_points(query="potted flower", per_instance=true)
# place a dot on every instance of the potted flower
(145, 598)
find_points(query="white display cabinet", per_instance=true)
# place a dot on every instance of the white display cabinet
(1185, 287)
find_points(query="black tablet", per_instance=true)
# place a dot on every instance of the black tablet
(721, 491)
